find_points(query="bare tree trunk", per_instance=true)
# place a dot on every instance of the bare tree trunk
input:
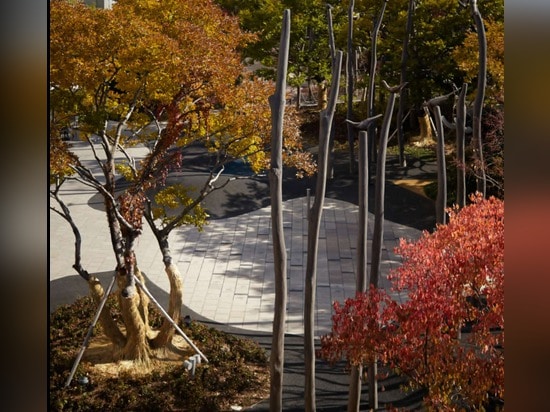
(330, 159)
(460, 147)
(277, 105)
(314, 223)
(481, 178)
(371, 89)
(322, 95)
(350, 86)
(361, 278)
(441, 199)
(115, 232)
(403, 97)
(378, 230)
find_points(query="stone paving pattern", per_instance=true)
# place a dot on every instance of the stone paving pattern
(227, 269)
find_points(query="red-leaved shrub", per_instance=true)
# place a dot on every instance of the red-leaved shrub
(448, 335)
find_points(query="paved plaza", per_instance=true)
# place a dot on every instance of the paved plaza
(227, 269)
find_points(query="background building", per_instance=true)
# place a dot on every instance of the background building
(100, 4)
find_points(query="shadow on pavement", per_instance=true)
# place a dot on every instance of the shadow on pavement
(244, 195)
(331, 381)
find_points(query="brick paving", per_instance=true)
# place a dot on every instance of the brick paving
(227, 269)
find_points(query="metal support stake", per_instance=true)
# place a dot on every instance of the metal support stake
(167, 316)
(90, 331)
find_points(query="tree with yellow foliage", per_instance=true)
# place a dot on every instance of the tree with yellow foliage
(466, 58)
(173, 65)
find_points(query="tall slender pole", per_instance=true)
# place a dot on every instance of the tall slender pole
(277, 105)
(354, 393)
(332, 48)
(314, 224)
(90, 331)
(441, 199)
(350, 85)
(481, 177)
(403, 97)
(378, 230)
(371, 90)
(460, 147)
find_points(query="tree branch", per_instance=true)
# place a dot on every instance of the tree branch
(66, 214)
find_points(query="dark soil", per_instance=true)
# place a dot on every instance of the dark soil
(236, 376)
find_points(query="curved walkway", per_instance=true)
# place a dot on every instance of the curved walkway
(227, 269)
(228, 272)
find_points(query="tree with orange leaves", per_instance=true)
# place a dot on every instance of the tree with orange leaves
(164, 75)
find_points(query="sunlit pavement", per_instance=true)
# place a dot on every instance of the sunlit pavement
(227, 269)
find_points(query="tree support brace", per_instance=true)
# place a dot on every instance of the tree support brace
(167, 316)
(98, 313)
(90, 330)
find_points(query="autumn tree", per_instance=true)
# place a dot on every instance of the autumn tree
(172, 68)
(466, 54)
(481, 58)
(447, 336)
(434, 44)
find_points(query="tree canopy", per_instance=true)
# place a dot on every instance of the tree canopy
(175, 62)
(309, 55)
(442, 46)
(163, 75)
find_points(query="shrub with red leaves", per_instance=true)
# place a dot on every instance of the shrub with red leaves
(448, 336)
